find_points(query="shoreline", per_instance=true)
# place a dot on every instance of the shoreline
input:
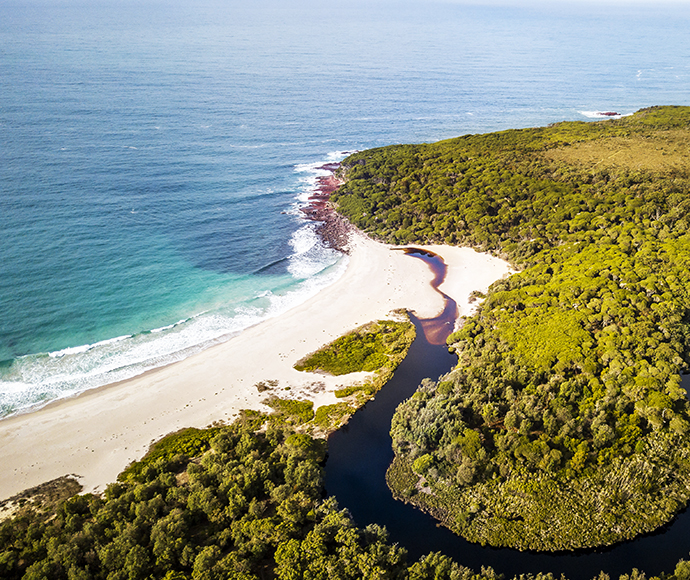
(96, 434)
(333, 229)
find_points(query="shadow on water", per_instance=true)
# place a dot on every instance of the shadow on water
(360, 453)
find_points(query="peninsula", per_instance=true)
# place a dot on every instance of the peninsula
(564, 424)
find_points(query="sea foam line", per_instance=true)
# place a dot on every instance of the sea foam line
(86, 347)
(37, 379)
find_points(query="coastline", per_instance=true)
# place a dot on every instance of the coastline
(95, 435)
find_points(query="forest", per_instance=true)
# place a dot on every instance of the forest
(241, 502)
(250, 506)
(564, 424)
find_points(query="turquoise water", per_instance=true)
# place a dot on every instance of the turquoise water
(153, 158)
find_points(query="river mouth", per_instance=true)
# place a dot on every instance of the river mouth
(437, 329)
(360, 453)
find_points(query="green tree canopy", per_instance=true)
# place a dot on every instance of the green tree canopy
(569, 374)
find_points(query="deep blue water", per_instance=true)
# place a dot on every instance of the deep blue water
(153, 155)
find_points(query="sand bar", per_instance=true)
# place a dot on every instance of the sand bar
(97, 434)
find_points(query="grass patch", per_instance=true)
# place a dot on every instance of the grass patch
(331, 417)
(179, 446)
(365, 389)
(290, 411)
(298, 416)
(252, 419)
(45, 497)
(377, 347)
(662, 151)
(368, 348)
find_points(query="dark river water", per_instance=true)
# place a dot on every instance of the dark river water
(360, 453)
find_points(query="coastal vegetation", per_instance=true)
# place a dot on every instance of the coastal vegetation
(248, 508)
(183, 444)
(290, 411)
(378, 347)
(563, 421)
(564, 424)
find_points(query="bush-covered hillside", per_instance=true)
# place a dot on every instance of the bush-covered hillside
(564, 424)
(250, 508)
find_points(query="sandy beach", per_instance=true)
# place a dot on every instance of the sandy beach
(96, 435)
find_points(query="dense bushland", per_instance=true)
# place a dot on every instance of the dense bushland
(567, 395)
(509, 193)
(250, 507)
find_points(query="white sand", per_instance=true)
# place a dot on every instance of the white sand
(96, 435)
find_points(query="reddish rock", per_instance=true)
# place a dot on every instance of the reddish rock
(332, 228)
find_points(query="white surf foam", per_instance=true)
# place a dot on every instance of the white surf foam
(34, 380)
(599, 115)
(310, 173)
(86, 347)
(311, 256)
(169, 326)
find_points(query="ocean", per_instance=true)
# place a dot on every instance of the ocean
(154, 157)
